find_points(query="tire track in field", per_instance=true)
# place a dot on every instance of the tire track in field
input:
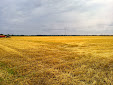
(10, 50)
(14, 50)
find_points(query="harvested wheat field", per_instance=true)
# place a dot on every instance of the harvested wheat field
(56, 60)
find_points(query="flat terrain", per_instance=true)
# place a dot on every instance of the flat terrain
(56, 60)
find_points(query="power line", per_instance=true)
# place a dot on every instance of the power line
(65, 30)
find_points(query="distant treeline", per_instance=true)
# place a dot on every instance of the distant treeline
(58, 35)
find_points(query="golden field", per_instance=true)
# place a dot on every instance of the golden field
(56, 60)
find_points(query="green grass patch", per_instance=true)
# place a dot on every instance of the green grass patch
(11, 71)
(5, 67)
(2, 64)
(1, 79)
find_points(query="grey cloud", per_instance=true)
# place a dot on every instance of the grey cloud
(37, 16)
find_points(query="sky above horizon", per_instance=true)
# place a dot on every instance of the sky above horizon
(71, 17)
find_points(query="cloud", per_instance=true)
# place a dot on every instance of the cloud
(38, 16)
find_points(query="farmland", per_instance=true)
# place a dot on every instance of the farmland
(56, 60)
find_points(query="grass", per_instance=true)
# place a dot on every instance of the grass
(61, 60)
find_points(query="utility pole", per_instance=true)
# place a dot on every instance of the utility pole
(65, 30)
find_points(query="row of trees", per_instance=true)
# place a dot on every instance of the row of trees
(55, 35)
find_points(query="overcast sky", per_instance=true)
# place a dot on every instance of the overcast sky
(53, 16)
